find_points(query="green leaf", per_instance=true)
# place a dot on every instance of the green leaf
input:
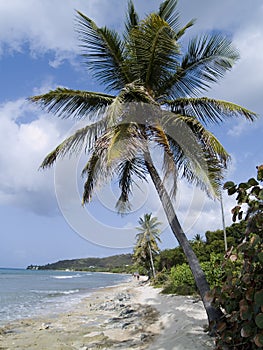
(259, 297)
(243, 185)
(260, 256)
(246, 331)
(259, 340)
(228, 185)
(255, 191)
(249, 294)
(231, 190)
(240, 214)
(227, 337)
(260, 173)
(246, 278)
(242, 197)
(260, 195)
(236, 209)
(252, 182)
(259, 320)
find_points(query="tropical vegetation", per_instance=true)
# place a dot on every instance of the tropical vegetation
(173, 271)
(151, 104)
(241, 294)
(146, 247)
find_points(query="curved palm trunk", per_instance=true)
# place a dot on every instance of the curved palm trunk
(151, 258)
(213, 313)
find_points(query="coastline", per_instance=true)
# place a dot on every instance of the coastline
(131, 315)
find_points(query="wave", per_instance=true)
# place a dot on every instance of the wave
(66, 277)
(55, 292)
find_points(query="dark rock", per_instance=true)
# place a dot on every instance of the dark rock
(125, 325)
(126, 312)
(145, 336)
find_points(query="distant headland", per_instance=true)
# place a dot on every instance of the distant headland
(116, 263)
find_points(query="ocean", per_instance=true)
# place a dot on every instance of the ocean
(32, 293)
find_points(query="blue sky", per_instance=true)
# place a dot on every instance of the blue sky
(40, 221)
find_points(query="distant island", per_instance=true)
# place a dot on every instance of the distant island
(116, 263)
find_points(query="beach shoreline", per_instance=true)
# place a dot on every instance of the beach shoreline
(131, 315)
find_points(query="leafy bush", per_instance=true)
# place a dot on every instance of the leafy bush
(241, 296)
(213, 270)
(161, 279)
(181, 279)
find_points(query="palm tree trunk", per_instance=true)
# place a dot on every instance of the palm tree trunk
(151, 258)
(214, 314)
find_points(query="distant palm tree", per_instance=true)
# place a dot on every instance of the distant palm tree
(198, 238)
(154, 100)
(147, 241)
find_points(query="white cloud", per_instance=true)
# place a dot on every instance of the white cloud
(23, 147)
(42, 25)
(48, 26)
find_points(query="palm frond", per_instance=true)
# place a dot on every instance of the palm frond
(168, 13)
(158, 135)
(200, 158)
(206, 140)
(180, 32)
(147, 238)
(67, 103)
(132, 18)
(103, 51)
(125, 141)
(127, 170)
(136, 92)
(207, 59)
(153, 52)
(108, 161)
(114, 110)
(97, 170)
(206, 174)
(149, 224)
(83, 138)
(209, 110)
(91, 170)
(130, 105)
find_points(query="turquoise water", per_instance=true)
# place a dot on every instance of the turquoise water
(29, 293)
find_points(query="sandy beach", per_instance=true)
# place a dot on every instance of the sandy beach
(133, 315)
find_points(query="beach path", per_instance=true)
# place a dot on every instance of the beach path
(133, 315)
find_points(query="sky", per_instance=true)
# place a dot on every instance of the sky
(41, 217)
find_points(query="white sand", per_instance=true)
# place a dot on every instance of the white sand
(103, 321)
(182, 318)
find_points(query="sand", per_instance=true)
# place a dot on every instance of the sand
(133, 315)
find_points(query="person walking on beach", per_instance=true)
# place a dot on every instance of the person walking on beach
(136, 275)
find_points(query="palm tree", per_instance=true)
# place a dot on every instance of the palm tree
(152, 101)
(198, 238)
(146, 245)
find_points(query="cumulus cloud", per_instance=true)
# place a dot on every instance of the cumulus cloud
(35, 23)
(48, 26)
(23, 147)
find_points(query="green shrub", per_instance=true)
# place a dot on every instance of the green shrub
(161, 279)
(213, 270)
(182, 279)
(241, 295)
